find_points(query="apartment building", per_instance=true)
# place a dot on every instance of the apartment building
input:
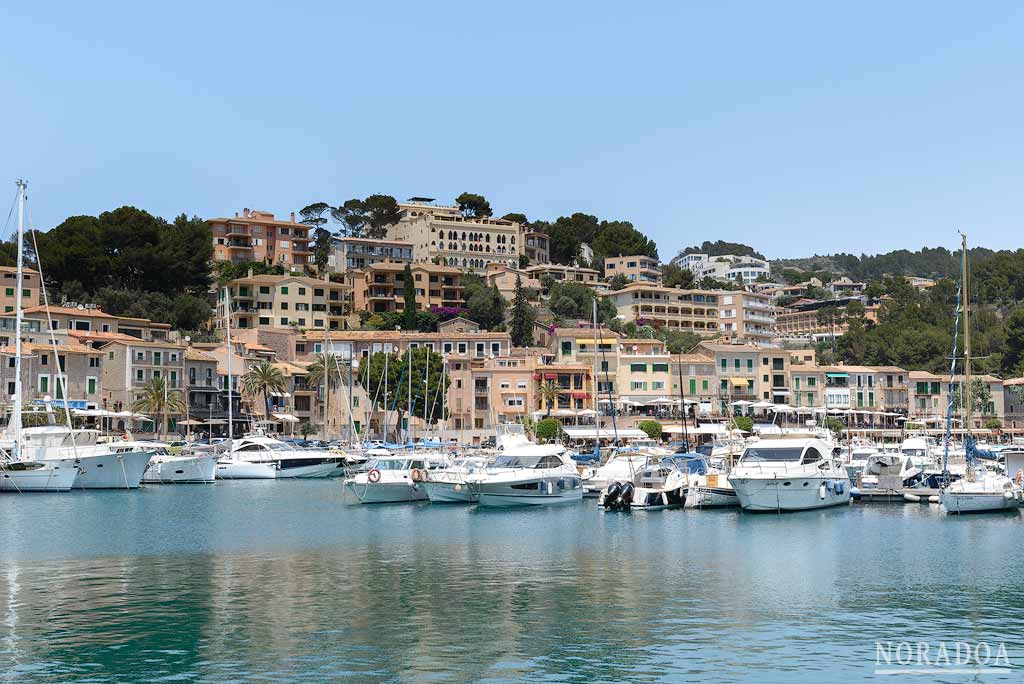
(644, 375)
(504, 277)
(537, 247)
(930, 397)
(258, 236)
(42, 366)
(284, 302)
(747, 316)
(725, 267)
(352, 253)
(650, 304)
(380, 288)
(636, 268)
(443, 233)
(202, 390)
(738, 367)
(566, 274)
(82, 320)
(30, 292)
(128, 364)
(699, 381)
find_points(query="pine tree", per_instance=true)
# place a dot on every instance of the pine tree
(522, 317)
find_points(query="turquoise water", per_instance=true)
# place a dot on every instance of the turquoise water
(283, 582)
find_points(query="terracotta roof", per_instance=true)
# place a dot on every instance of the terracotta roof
(692, 358)
(394, 335)
(70, 311)
(135, 342)
(419, 266)
(196, 355)
(14, 269)
(603, 332)
(289, 368)
(1013, 382)
(100, 336)
(257, 219)
(256, 346)
(32, 347)
(267, 279)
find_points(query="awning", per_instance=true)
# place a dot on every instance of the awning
(285, 417)
(280, 394)
(551, 376)
(738, 382)
(779, 390)
(574, 432)
(590, 340)
(837, 375)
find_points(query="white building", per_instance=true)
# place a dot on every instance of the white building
(725, 266)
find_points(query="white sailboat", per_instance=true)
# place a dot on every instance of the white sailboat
(19, 473)
(980, 490)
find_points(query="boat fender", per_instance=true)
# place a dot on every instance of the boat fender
(1019, 478)
(821, 491)
(840, 487)
(912, 498)
(854, 492)
(1008, 495)
(425, 474)
(933, 499)
(828, 486)
(373, 475)
(416, 476)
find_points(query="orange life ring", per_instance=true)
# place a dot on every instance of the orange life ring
(125, 437)
(373, 475)
(416, 477)
(425, 474)
(1020, 477)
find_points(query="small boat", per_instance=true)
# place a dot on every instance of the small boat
(395, 478)
(168, 468)
(34, 476)
(789, 473)
(707, 486)
(527, 480)
(116, 465)
(981, 491)
(236, 469)
(622, 465)
(655, 486)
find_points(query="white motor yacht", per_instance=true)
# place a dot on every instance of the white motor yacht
(789, 474)
(283, 459)
(527, 477)
(115, 465)
(621, 466)
(657, 485)
(184, 468)
(395, 478)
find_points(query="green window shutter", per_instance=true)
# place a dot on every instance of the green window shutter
(693, 386)
(725, 364)
(736, 364)
(750, 364)
(704, 385)
(660, 368)
(638, 367)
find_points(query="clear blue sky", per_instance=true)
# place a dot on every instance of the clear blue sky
(798, 127)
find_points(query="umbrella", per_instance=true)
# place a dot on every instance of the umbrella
(215, 421)
(190, 422)
(804, 410)
(763, 405)
(783, 408)
(587, 412)
(741, 402)
(661, 401)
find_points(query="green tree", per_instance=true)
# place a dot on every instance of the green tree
(353, 217)
(409, 297)
(548, 392)
(523, 317)
(676, 276)
(381, 211)
(548, 429)
(620, 238)
(157, 398)
(517, 218)
(744, 423)
(486, 306)
(524, 261)
(261, 380)
(835, 425)
(1013, 354)
(618, 282)
(651, 427)
(473, 205)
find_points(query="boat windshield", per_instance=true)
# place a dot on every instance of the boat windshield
(279, 446)
(760, 453)
(390, 464)
(695, 466)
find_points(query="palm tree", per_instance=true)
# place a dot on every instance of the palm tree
(262, 379)
(325, 370)
(549, 393)
(157, 398)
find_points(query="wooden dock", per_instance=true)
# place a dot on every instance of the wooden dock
(896, 495)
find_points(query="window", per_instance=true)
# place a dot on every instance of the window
(636, 385)
(638, 368)
(566, 348)
(44, 360)
(90, 385)
(302, 290)
(725, 364)
(750, 364)
(704, 385)
(9, 292)
(110, 356)
(660, 368)
(284, 320)
(94, 362)
(658, 385)
(812, 382)
(264, 289)
(284, 290)
(479, 350)
(736, 364)
(44, 383)
(140, 356)
(158, 358)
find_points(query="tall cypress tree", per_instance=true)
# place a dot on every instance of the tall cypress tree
(522, 317)
(409, 316)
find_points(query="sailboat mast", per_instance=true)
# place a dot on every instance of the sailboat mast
(227, 316)
(965, 391)
(14, 426)
(408, 425)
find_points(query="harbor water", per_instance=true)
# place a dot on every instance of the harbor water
(284, 582)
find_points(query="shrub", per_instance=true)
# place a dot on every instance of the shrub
(651, 427)
(548, 429)
(744, 423)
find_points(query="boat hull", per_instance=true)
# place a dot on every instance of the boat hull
(52, 477)
(122, 470)
(976, 502)
(385, 492)
(244, 470)
(183, 470)
(788, 493)
(701, 496)
(498, 499)
(448, 492)
(287, 471)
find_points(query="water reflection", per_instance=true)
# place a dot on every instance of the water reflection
(283, 584)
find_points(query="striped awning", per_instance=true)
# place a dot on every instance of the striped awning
(738, 382)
